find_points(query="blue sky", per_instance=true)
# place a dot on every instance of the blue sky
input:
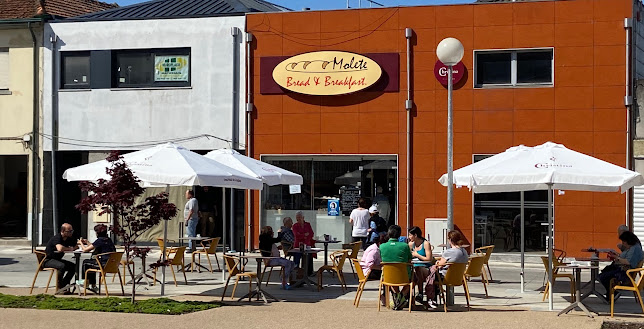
(332, 4)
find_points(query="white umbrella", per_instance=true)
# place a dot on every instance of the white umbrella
(269, 174)
(545, 167)
(169, 165)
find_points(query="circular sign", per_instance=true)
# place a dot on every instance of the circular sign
(440, 72)
(327, 73)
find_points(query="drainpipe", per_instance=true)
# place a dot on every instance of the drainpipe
(409, 103)
(628, 102)
(249, 118)
(234, 31)
(35, 145)
(54, 125)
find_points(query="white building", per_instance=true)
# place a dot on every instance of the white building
(137, 76)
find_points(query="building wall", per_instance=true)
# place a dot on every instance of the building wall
(584, 110)
(117, 117)
(16, 107)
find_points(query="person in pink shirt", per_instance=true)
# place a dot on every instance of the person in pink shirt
(370, 261)
(303, 233)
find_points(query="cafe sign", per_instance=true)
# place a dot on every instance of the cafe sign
(327, 73)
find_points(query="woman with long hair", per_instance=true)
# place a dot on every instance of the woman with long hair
(420, 250)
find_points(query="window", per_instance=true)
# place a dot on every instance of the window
(513, 68)
(331, 178)
(75, 70)
(4, 68)
(151, 68)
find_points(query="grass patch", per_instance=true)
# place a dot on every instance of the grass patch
(105, 304)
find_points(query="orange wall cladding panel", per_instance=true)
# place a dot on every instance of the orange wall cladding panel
(584, 109)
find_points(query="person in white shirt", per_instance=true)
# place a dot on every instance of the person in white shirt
(360, 219)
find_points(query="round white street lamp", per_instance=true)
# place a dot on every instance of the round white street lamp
(450, 52)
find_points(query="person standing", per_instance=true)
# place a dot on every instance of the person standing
(303, 233)
(55, 249)
(190, 215)
(360, 219)
(207, 213)
(377, 224)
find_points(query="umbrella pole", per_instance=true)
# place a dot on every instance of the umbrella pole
(223, 234)
(165, 241)
(522, 242)
(551, 295)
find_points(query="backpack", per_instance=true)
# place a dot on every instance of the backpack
(381, 225)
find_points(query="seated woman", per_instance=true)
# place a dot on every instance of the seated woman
(420, 250)
(455, 254)
(268, 248)
(101, 245)
(370, 261)
(630, 258)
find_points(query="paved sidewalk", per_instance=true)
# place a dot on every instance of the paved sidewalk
(505, 307)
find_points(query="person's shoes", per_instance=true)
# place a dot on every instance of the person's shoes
(432, 304)
(286, 286)
(419, 298)
(93, 288)
(80, 282)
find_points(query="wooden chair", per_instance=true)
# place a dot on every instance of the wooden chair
(176, 257)
(555, 275)
(233, 271)
(487, 252)
(355, 248)
(211, 249)
(160, 243)
(124, 263)
(268, 266)
(362, 281)
(396, 275)
(41, 257)
(455, 276)
(475, 269)
(337, 262)
(111, 266)
(636, 287)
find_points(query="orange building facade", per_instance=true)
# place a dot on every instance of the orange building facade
(582, 106)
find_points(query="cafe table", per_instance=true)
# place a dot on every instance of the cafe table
(258, 291)
(594, 274)
(326, 248)
(578, 303)
(305, 265)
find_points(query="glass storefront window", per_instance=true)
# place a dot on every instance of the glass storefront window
(497, 219)
(328, 179)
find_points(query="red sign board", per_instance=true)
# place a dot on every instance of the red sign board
(440, 72)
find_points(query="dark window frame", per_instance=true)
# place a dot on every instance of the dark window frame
(514, 68)
(151, 52)
(63, 72)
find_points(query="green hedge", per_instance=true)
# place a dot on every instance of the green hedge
(105, 304)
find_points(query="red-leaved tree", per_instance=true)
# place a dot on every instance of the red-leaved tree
(117, 196)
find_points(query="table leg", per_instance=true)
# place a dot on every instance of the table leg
(593, 291)
(326, 254)
(577, 302)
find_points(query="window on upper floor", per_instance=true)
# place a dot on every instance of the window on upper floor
(140, 68)
(75, 70)
(4, 69)
(513, 68)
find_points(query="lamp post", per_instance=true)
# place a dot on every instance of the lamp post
(450, 52)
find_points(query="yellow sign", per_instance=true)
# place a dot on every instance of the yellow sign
(327, 73)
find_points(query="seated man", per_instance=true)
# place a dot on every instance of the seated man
(55, 249)
(370, 261)
(101, 245)
(395, 251)
(269, 249)
(285, 233)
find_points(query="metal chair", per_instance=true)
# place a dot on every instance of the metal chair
(475, 269)
(111, 266)
(455, 276)
(355, 248)
(337, 262)
(487, 252)
(636, 287)
(211, 249)
(177, 260)
(41, 257)
(396, 275)
(233, 271)
(362, 281)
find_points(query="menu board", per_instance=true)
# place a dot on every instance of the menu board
(349, 199)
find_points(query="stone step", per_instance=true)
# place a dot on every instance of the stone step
(21, 242)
